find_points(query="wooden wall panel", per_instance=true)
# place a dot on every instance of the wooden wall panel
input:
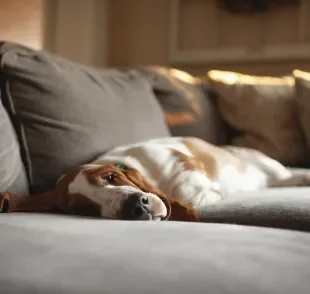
(22, 21)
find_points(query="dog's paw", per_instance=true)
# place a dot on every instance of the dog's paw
(297, 180)
(302, 180)
(4, 202)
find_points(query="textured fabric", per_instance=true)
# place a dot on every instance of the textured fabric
(264, 110)
(274, 207)
(189, 110)
(67, 114)
(12, 172)
(54, 254)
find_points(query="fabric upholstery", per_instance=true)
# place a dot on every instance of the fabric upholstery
(67, 114)
(12, 172)
(264, 110)
(189, 110)
(302, 92)
(56, 254)
(275, 207)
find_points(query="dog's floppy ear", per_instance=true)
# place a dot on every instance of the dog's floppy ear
(80, 205)
(74, 203)
(183, 212)
(177, 211)
(58, 200)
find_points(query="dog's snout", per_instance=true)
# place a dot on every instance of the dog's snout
(141, 206)
(137, 207)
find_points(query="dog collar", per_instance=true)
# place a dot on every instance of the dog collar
(121, 166)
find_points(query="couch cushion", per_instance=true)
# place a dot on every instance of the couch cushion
(302, 91)
(264, 111)
(287, 208)
(68, 114)
(12, 172)
(189, 109)
(55, 254)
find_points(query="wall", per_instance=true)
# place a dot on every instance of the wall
(136, 32)
(21, 21)
(76, 29)
(139, 34)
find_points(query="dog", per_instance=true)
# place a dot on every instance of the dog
(159, 179)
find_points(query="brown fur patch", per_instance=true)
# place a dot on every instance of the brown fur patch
(45, 202)
(213, 158)
(189, 162)
(78, 204)
(62, 187)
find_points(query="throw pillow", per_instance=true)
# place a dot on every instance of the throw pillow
(188, 107)
(302, 91)
(264, 110)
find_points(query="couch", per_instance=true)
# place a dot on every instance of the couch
(56, 114)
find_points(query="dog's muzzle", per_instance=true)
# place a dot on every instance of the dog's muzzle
(141, 206)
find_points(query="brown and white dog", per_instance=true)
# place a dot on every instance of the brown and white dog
(160, 179)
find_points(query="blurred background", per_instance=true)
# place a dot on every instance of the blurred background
(268, 37)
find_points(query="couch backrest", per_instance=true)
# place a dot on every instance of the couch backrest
(12, 172)
(66, 114)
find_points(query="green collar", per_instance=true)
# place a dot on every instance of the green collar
(121, 166)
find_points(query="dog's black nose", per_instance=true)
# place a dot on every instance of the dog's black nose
(137, 207)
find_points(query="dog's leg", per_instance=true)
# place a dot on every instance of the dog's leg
(278, 174)
(44, 202)
(295, 180)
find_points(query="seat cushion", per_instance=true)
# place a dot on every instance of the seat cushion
(56, 254)
(67, 114)
(12, 172)
(287, 208)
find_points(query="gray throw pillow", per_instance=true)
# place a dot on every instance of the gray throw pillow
(188, 106)
(67, 114)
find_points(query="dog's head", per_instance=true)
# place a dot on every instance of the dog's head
(118, 192)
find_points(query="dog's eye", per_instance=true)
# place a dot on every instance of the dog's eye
(111, 179)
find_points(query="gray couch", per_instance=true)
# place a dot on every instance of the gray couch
(54, 115)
